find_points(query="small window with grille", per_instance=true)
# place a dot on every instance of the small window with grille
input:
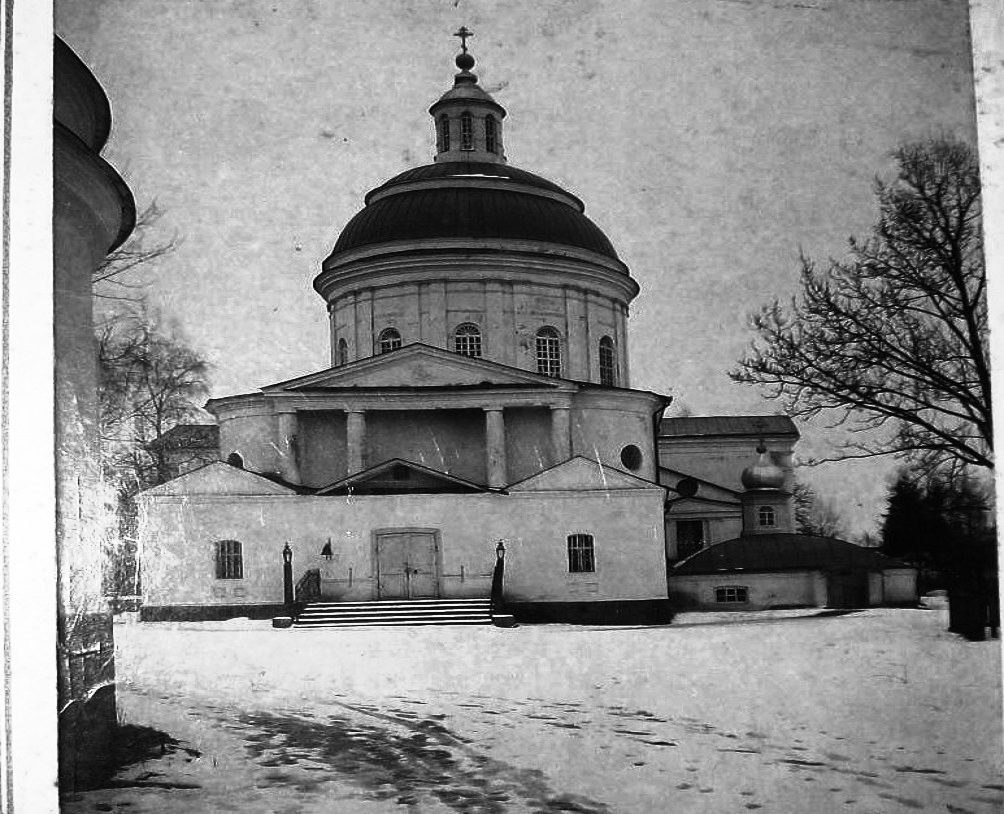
(549, 352)
(466, 131)
(580, 554)
(390, 339)
(467, 340)
(491, 134)
(765, 516)
(229, 560)
(732, 593)
(444, 134)
(608, 365)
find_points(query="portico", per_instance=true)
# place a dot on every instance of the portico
(485, 422)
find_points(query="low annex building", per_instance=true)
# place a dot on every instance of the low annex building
(478, 400)
(770, 566)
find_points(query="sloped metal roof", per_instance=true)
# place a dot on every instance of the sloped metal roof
(472, 212)
(470, 169)
(783, 552)
(751, 425)
(185, 436)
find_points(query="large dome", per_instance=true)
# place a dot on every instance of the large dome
(478, 200)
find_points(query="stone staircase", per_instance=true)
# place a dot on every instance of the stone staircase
(395, 612)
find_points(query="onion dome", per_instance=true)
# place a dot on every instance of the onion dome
(764, 474)
(470, 193)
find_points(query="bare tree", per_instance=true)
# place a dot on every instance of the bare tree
(891, 342)
(814, 514)
(150, 382)
(108, 281)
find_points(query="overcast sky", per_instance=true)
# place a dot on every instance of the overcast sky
(710, 140)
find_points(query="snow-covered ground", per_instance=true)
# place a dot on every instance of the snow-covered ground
(873, 711)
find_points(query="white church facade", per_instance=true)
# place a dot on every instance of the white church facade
(478, 406)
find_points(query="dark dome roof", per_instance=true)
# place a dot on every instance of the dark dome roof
(781, 552)
(485, 201)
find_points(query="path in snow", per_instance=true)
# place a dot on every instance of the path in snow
(878, 711)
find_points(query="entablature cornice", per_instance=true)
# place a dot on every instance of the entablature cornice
(439, 263)
(420, 399)
(643, 401)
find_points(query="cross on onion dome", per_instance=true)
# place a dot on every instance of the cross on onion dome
(463, 32)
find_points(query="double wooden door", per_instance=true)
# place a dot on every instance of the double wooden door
(407, 565)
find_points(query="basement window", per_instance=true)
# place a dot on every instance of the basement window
(732, 594)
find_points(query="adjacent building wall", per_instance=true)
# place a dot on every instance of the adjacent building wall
(93, 212)
(720, 459)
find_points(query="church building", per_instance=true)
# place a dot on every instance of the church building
(477, 408)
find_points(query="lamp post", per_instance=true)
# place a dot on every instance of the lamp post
(500, 550)
(287, 575)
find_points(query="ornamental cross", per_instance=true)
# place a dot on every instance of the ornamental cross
(463, 33)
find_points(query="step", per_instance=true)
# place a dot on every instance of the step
(475, 611)
(389, 614)
(417, 603)
(389, 623)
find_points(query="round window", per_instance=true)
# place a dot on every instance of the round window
(687, 487)
(631, 457)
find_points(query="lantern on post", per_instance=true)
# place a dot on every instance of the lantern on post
(500, 550)
(287, 575)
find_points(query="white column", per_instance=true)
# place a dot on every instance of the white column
(288, 426)
(561, 434)
(355, 439)
(495, 447)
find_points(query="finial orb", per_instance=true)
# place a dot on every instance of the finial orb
(465, 61)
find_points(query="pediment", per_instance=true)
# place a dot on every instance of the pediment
(219, 479)
(581, 474)
(692, 505)
(398, 476)
(417, 366)
(706, 490)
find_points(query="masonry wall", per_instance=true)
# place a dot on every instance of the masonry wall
(253, 435)
(603, 425)
(508, 313)
(899, 586)
(179, 534)
(721, 460)
(774, 590)
(451, 441)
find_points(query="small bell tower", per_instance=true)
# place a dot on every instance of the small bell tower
(468, 121)
(767, 507)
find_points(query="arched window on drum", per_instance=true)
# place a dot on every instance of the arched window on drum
(467, 340)
(466, 131)
(390, 339)
(608, 362)
(444, 134)
(549, 352)
(491, 134)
